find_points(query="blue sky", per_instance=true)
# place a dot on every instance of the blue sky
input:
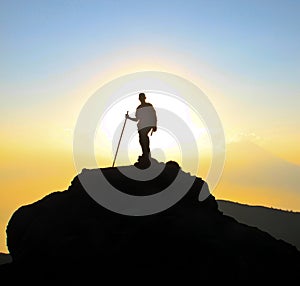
(257, 39)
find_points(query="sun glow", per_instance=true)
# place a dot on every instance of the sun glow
(165, 144)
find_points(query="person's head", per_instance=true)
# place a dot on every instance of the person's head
(142, 97)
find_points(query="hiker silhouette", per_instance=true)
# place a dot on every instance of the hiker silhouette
(146, 119)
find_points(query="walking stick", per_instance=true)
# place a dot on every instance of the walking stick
(119, 141)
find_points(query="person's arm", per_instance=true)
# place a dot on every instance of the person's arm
(154, 129)
(131, 118)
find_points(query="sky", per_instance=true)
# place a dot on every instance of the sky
(244, 55)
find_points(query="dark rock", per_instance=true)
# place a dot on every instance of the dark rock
(68, 236)
(5, 258)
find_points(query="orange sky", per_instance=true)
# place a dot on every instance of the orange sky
(251, 175)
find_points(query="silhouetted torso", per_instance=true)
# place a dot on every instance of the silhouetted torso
(146, 116)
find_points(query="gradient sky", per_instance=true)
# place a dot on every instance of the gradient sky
(245, 55)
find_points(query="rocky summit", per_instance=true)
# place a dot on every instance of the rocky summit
(68, 235)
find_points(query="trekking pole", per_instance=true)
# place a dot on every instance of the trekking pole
(119, 141)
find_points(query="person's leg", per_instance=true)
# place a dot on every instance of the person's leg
(144, 141)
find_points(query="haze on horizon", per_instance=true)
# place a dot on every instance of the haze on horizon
(245, 56)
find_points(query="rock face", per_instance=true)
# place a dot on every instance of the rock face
(68, 235)
(5, 258)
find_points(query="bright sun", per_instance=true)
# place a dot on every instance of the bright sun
(175, 118)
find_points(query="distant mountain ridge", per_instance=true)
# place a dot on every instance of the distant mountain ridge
(67, 236)
(281, 224)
